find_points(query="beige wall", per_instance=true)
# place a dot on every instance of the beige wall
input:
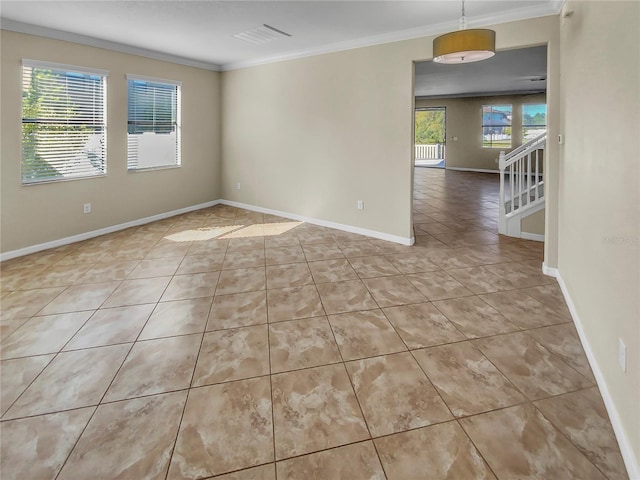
(599, 215)
(533, 223)
(302, 136)
(312, 136)
(41, 213)
(464, 121)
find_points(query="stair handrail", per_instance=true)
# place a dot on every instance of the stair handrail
(534, 144)
(514, 161)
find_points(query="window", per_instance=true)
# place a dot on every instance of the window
(63, 122)
(496, 126)
(153, 139)
(534, 121)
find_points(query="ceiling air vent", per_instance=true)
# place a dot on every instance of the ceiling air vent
(263, 34)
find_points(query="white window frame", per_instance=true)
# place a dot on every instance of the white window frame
(510, 126)
(533, 127)
(132, 163)
(58, 157)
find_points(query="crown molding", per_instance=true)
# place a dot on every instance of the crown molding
(20, 27)
(501, 93)
(542, 10)
(552, 7)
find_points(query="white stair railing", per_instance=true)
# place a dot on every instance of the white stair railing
(523, 168)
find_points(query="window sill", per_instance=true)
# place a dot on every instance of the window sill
(151, 169)
(61, 180)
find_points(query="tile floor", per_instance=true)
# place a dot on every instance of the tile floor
(229, 343)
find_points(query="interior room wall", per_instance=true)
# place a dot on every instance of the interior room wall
(312, 136)
(599, 200)
(464, 123)
(356, 148)
(35, 214)
(533, 223)
(315, 135)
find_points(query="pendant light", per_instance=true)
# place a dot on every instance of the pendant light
(464, 46)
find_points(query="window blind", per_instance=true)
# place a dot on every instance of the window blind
(153, 139)
(63, 122)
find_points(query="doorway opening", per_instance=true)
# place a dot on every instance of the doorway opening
(430, 136)
(496, 105)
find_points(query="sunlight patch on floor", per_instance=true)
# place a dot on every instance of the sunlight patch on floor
(201, 234)
(262, 229)
(233, 231)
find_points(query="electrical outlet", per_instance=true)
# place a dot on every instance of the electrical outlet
(360, 205)
(622, 355)
(238, 186)
(86, 208)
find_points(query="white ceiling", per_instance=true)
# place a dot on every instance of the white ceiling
(511, 71)
(200, 32)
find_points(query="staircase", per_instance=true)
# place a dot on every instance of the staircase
(521, 185)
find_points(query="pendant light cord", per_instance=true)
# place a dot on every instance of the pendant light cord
(463, 18)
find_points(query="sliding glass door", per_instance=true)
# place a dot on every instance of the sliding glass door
(430, 136)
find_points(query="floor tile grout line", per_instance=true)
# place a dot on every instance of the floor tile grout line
(273, 414)
(26, 388)
(519, 404)
(175, 440)
(102, 398)
(467, 335)
(240, 470)
(519, 389)
(486, 462)
(343, 362)
(188, 390)
(75, 444)
(554, 354)
(374, 438)
(124, 360)
(560, 432)
(337, 447)
(435, 389)
(24, 320)
(375, 448)
(130, 348)
(526, 332)
(457, 421)
(353, 390)
(55, 355)
(138, 340)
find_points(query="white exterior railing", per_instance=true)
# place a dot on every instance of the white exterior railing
(523, 168)
(429, 152)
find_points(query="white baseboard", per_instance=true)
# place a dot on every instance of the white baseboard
(102, 231)
(478, 170)
(532, 236)
(324, 223)
(550, 271)
(628, 455)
